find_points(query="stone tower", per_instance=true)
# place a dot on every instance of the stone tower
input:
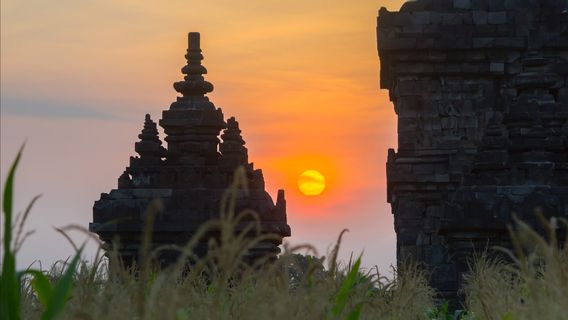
(480, 88)
(189, 177)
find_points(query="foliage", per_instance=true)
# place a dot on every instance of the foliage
(347, 289)
(223, 285)
(532, 286)
(53, 298)
(9, 285)
(442, 312)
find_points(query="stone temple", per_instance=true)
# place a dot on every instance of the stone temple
(190, 176)
(480, 88)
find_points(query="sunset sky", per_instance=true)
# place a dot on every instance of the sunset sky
(77, 78)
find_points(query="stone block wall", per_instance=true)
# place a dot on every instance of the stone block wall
(480, 88)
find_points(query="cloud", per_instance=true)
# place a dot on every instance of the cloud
(52, 109)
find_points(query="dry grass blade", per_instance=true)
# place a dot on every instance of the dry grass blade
(66, 236)
(332, 263)
(22, 240)
(20, 221)
(81, 229)
(306, 246)
(145, 264)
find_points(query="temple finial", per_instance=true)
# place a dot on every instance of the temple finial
(194, 87)
(193, 41)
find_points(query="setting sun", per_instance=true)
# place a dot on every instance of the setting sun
(311, 183)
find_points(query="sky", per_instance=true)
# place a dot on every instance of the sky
(77, 78)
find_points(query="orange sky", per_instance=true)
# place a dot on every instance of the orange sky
(301, 77)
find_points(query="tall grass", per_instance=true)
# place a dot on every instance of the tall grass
(534, 286)
(221, 285)
(51, 294)
(225, 285)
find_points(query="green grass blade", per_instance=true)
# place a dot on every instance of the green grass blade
(346, 288)
(355, 314)
(508, 316)
(62, 289)
(7, 204)
(9, 285)
(41, 285)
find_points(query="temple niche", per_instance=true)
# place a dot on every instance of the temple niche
(480, 89)
(190, 176)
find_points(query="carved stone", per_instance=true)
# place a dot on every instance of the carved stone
(481, 93)
(189, 177)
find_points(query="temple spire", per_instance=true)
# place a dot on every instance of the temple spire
(194, 87)
(150, 146)
(233, 146)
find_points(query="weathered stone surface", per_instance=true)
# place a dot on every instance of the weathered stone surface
(482, 125)
(462, 4)
(189, 177)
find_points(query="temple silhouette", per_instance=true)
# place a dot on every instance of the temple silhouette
(481, 93)
(189, 177)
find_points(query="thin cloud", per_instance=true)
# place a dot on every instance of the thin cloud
(52, 109)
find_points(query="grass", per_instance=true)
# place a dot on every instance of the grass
(52, 295)
(534, 286)
(297, 286)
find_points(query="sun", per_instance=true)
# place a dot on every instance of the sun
(311, 183)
